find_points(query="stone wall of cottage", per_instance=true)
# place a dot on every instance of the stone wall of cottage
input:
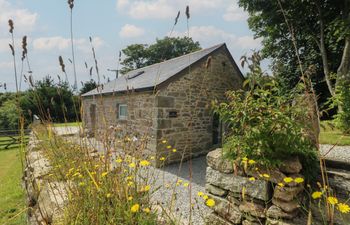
(140, 122)
(189, 97)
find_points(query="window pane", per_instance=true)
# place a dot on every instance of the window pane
(122, 111)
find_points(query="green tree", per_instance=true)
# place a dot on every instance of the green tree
(9, 115)
(321, 31)
(140, 55)
(50, 101)
(88, 86)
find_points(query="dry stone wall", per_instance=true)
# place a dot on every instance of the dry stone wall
(45, 197)
(247, 195)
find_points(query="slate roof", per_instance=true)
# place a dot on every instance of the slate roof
(148, 77)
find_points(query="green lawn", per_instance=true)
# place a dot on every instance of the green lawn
(331, 135)
(12, 200)
(71, 124)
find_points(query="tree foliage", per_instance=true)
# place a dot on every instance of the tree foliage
(318, 31)
(140, 55)
(50, 101)
(88, 86)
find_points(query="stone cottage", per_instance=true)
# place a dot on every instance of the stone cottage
(167, 101)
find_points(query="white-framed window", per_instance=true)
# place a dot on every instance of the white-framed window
(122, 111)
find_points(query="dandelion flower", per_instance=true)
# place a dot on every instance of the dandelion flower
(146, 210)
(210, 202)
(81, 184)
(162, 158)
(168, 147)
(205, 197)
(130, 183)
(287, 179)
(174, 150)
(130, 198)
(200, 194)
(244, 159)
(186, 184)
(252, 178)
(316, 195)
(132, 165)
(280, 184)
(343, 208)
(144, 163)
(332, 200)
(119, 160)
(135, 208)
(299, 180)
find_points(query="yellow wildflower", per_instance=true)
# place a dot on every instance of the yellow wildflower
(147, 188)
(152, 158)
(104, 174)
(119, 160)
(200, 194)
(299, 180)
(332, 200)
(135, 208)
(164, 141)
(343, 208)
(244, 159)
(186, 184)
(174, 150)
(130, 183)
(252, 178)
(97, 166)
(280, 184)
(266, 175)
(162, 158)
(287, 179)
(146, 210)
(130, 198)
(251, 161)
(316, 195)
(205, 197)
(132, 165)
(109, 195)
(93, 172)
(81, 184)
(168, 147)
(144, 163)
(210, 202)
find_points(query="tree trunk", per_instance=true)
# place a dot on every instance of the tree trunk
(322, 47)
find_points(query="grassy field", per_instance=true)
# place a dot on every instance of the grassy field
(12, 201)
(71, 124)
(331, 135)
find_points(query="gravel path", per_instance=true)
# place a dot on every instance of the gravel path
(341, 153)
(179, 195)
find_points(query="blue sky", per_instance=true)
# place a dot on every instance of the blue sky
(113, 24)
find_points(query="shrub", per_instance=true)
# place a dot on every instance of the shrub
(265, 125)
(342, 100)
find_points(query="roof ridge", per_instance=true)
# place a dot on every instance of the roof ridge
(191, 53)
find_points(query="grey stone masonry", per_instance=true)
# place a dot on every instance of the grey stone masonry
(253, 195)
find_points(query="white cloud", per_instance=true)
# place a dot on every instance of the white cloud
(61, 43)
(131, 31)
(165, 9)
(234, 13)
(24, 20)
(121, 4)
(210, 35)
(248, 42)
